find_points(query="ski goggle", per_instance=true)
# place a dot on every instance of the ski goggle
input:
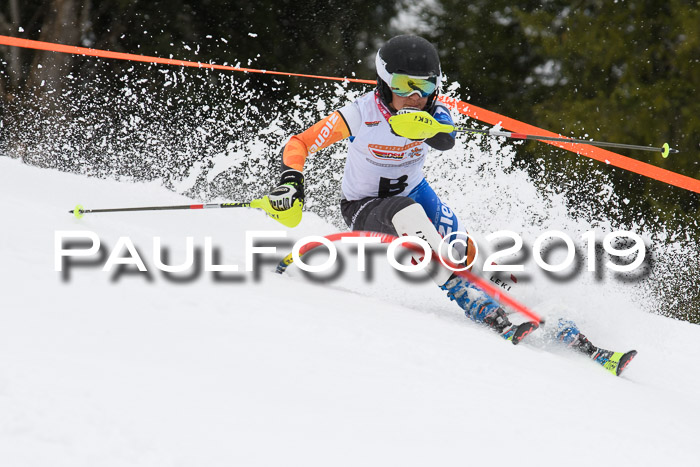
(405, 85)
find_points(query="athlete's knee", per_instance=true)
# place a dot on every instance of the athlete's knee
(405, 210)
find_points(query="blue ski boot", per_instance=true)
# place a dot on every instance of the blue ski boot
(569, 334)
(481, 308)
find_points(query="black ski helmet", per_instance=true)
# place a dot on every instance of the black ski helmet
(409, 55)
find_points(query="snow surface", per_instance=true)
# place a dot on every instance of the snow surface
(126, 371)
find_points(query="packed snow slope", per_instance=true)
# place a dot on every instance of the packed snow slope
(142, 370)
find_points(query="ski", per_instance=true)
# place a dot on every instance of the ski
(518, 332)
(614, 362)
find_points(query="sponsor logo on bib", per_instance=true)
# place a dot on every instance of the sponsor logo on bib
(396, 153)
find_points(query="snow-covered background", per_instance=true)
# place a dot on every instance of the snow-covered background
(99, 370)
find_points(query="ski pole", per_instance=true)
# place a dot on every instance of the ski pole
(421, 125)
(290, 217)
(79, 211)
(665, 150)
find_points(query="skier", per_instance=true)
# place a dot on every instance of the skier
(383, 186)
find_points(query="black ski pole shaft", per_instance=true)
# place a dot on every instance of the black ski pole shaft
(665, 150)
(79, 211)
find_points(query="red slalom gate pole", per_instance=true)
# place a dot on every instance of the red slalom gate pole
(70, 49)
(583, 149)
(493, 291)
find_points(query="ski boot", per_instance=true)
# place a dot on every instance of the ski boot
(614, 362)
(481, 308)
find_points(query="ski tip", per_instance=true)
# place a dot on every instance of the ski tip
(624, 361)
(522, 331)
